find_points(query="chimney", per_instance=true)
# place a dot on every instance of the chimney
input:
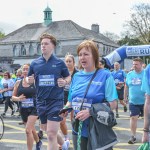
(95, 28)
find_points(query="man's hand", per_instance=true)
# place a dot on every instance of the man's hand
(61, 82)
(30, 79)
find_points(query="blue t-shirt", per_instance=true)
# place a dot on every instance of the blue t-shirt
(146, 80)
(1, 87)
(102, 88)
(134, 82)
(119, 76)
(46, 74)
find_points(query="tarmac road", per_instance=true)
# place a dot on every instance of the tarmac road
(14, 137)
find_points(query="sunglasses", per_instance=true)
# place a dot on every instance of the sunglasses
(18, 75)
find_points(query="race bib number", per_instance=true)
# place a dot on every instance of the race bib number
(117, 81)
(136, 81)
(46, 80)
(77, 102)
(27, 103)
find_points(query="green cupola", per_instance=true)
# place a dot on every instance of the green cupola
(47, 16)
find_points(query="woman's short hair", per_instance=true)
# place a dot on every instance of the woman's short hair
(48, 36)
(89, 44)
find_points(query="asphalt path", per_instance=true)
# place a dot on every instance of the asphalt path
(15, 139)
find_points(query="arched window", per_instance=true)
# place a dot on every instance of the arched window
(39, 49)
(23, 51)
(14, 51)
(31, 50)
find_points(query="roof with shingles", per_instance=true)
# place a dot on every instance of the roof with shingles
(62, 30)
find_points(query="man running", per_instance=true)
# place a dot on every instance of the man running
(51, 75)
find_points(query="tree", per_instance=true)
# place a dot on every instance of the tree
(2, 34)
(112, 36)
(129, 41)
(139, 25)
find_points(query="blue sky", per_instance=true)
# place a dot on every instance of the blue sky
(109, 14)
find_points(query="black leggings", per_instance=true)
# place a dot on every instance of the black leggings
(8, 103)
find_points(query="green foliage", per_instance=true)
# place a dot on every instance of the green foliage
(130, 41)
(139, 24)
(2, 34)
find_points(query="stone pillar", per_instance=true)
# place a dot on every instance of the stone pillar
(35, 45)
(27, 45)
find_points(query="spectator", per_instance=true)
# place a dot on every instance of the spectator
(8, 85)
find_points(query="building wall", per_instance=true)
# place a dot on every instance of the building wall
(25, 52)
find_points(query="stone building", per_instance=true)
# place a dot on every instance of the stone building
(22, 45)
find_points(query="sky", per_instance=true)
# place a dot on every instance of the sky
(110, 15)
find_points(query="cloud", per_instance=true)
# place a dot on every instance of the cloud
(7, 27)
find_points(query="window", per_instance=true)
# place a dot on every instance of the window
(14, 51)
(39, 49)
(31, 50)
(23, 51)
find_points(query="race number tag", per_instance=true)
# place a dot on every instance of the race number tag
(27, 103)
(46, 80)
(136, 81)
(77, 102)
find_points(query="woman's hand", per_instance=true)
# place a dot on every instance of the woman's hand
(83, 115)
(21, 97)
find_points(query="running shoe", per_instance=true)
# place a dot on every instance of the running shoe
(117, 115)
(3, 114)
(125, 108)
(39, 145)
(66, 144)
(12, 113)
(40, 134)
(132, 140)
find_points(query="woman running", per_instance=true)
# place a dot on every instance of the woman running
(70, 63)
(25, 94)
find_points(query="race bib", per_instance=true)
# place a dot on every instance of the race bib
(77, 102)
(27, 103)
(117, 81)
(46, 80)
(136, 81)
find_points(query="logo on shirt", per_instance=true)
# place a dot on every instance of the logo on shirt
(54, 66)
(97, 83)
(136, 81)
